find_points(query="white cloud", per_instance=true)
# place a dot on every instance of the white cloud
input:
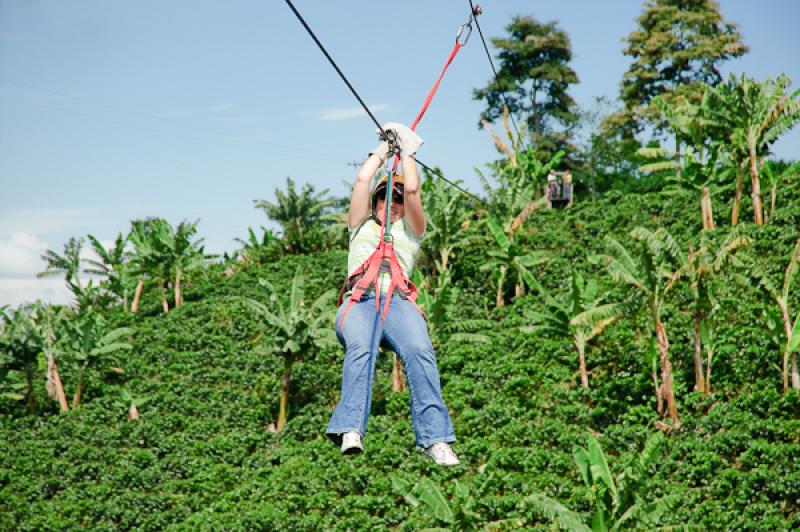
(15, 292)
(20, 261)
(346, 113)
(20, 256)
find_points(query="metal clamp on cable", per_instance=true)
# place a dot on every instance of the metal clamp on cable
(467, 26)
(391, 139)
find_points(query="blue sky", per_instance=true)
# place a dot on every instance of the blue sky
(111, 111)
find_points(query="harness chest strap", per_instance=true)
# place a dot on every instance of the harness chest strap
(369, 272)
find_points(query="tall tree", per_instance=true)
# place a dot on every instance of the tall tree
(533, 79)
(677, 46)
(298, 213)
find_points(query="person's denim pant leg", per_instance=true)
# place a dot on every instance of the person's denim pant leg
(406, 333)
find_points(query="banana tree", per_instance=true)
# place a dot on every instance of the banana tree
(93, 347)
(619, 501)
(700, 268)
(781, 298)
(187, 256)
(755, 114)
(702, 174)
(150, 254)
(582, 317)
(458, 514)
(25, 335)
(261, 250)
(68, 264)
(447, 215)
(650, 274)
(508, 259)
(297, 212)
(294, 327)
(113, 266)
(46, 321)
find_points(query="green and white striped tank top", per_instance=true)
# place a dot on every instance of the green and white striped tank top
(366, 237)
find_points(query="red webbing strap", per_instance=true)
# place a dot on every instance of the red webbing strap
(431, 93)
(425, 105)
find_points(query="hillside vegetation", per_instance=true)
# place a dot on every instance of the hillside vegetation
(207, 387)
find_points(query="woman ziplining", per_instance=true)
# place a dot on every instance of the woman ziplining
(387, 224)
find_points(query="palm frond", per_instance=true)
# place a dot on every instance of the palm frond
(555, 511)
(591, 317)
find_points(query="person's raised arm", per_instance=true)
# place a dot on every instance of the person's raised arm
(409, 142)
(412, 196)
(359, 201)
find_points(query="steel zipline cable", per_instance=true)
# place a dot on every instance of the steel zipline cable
(364, 105)
(494, 70)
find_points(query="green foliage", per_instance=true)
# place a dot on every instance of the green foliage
(582, 317)
(93, 346)
(301, 215)
(509, 260)
(166, 257)
(447, 212)
(677, 46)
(294, 327)
(202, 457)
(257, 251)
(534, 78)
(68, 264)
(619, 501)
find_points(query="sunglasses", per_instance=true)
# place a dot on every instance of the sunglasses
(397, 197)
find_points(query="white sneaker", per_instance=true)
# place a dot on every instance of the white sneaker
(351, 443)
(442, 454)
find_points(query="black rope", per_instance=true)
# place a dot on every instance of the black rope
(439, 174)
(489, 55)
(335, 66)
(364, 105)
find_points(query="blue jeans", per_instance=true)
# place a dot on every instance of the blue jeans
(406, 332)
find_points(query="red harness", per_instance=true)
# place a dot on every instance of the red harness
(368, 273)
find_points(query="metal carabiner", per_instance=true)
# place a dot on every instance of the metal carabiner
(468, 27)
